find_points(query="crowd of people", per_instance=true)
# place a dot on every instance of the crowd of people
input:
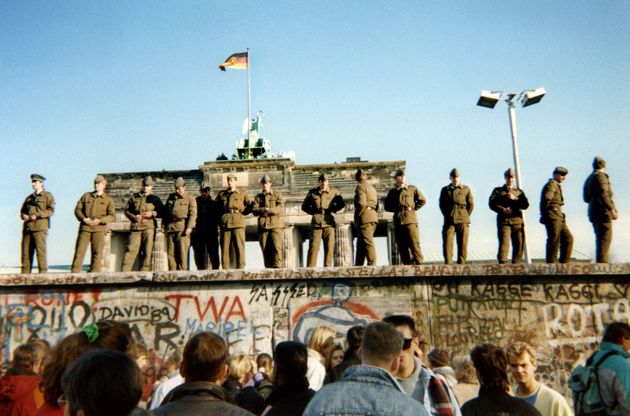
(216, 226)
(383, 368)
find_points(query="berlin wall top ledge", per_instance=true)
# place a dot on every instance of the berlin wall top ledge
(429, 270)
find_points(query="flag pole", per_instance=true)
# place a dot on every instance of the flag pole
(249, 104)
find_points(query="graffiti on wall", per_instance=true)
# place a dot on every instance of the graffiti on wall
(562, 320)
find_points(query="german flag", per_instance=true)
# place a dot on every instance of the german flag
(235, 61)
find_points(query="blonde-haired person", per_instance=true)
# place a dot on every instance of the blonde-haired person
(523, 366)
(321, 340)
(467, 386)
(240, 383)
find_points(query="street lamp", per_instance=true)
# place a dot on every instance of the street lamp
(489, 99)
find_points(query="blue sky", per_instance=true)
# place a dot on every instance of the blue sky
(117, 86)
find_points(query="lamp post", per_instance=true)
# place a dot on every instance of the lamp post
(489, 99)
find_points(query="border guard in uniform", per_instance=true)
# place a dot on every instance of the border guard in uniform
(456, 204)
(269, 207)
(322, 202)
(205, 236)
(404, 200)
(509, 202)
(36, 211)
(94, 210)
(180, 217)
(233, 204)
(598, 195)
(365, 219)
(142, 209)
(559, 236)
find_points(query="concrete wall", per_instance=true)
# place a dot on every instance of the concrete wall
(561, 310)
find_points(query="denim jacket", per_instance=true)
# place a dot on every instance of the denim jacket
(363, 390)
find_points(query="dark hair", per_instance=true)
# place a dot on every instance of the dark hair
(439, 358)
(354, 336)
(102, 383)
(205, 356)
(381, 342)
(265, 361)
(290, 359)
(111, 335)
(615, 331)
(491, 363)
(401, 320)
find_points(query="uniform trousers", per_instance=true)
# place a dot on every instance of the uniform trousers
(317, 235)
(365, 245)
(513, 232)
(408, 243)
(271, 245)
(460, 231)
(139, 240)
(34, 242)
(96, 239)
(233, 238)
(558, 238)
(603, 240)
(206, 246)
(177, 249)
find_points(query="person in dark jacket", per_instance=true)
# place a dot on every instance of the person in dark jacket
(204, 367)
(491, 363)
(509, 201)
(602, 212)
(291, 393)
(102, 383)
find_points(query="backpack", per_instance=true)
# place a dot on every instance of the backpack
(584, 383)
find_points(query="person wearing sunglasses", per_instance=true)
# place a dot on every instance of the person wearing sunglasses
(416, 380)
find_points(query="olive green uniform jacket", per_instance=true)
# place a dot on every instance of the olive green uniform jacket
(456, 204)
(233, 206)
(500, 200)
(93, 206)
(322, 204)
(599, 196)
(43, 206)
(404, 202)
(180, 212)
(365, 204)
(148, 205)
(551, 202)
(269, 207)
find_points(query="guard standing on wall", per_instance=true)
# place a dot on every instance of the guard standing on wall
(142, 209)
(233, 204)
(322, 202)
(509, 202)
(36, 211)
(404, 200)
(365, 219)
(598, 195)
(558, 234)
(205, 236)
(94, 210)
(180, 217)
(456, 204)
(269, 207)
